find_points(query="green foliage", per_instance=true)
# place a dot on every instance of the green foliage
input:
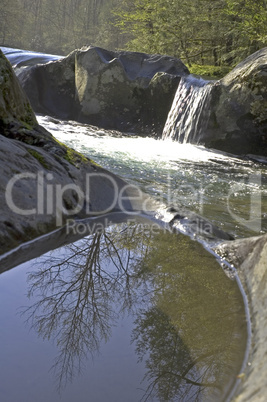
(203, 32)
(191, 30)
(209, 71)
(214, 32)
(248, 26)
(56, 26)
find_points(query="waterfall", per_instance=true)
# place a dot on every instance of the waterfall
(189, 114)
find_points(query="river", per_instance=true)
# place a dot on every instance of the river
(134, 314)
(229, 191)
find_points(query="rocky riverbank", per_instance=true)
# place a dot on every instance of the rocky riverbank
(249, 256)
(133, 92)
(43, 182)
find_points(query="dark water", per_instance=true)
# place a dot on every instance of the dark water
(129, 314)
(133, 313)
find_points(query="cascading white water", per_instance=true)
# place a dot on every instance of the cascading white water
(189, 114)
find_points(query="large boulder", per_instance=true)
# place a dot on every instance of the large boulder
(238, 121)
(127, 91)
(44, 184)
(14, 105)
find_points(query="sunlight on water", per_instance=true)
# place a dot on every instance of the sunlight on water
(138, 148)
(161, 319)
(229, 191)
(189, 114)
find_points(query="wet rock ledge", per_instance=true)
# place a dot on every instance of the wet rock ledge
(42, 182)
(249, 256)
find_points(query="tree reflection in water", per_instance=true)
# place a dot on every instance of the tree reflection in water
(190, 324)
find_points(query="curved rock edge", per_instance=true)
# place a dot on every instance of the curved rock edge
(57, 238)
(249, 256)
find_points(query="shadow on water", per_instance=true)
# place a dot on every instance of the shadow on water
(188, 321)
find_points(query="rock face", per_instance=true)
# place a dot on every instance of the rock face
(126, 91)
(238, 122)
(14, 105)
(249, 256)
(42, 182)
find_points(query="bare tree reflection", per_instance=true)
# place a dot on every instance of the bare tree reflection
(76, 292)
(81, 289)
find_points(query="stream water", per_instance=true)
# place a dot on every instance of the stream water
(128, 314)
(131, 313)
(189, 114)
(229, 191)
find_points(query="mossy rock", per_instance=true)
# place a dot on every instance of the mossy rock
(39, 157)
(14, 104)
(239, 108)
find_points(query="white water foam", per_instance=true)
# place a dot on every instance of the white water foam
(189, 114)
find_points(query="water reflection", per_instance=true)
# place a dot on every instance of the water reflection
(189, 319)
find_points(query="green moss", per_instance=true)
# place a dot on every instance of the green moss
(215, 72)
(29, 119)
(73, 156)
(28, 125)
(39, 157)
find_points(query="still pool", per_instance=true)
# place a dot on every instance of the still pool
(128, 314)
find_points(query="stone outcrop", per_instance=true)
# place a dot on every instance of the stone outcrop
(238, 122)
(249, 256)
(14, 105)
(42, 182)
(133, 92)
(127, 91)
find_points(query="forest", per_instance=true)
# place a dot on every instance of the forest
(216, 33)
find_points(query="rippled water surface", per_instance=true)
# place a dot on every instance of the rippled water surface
(231, 192)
